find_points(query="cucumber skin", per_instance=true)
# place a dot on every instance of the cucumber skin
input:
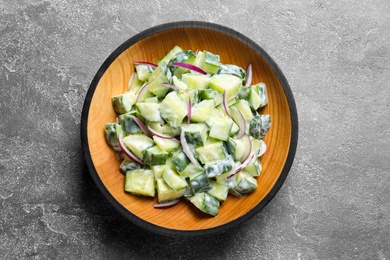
(123, 103)
(206, 203)
(200, 183)
(180, 160)
(176, 49)
(187, 56)
(259, 126)
(217, 168)
(232, 70)
(246, 184)
(112, 131)
(128, 165)
(129, 126)
(195, 134)
(152, 158)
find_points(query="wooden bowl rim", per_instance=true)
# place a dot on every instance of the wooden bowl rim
(84, 127)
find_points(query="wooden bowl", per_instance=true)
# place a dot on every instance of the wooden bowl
(112, 79)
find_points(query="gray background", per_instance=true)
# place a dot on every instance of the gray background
(335, 203)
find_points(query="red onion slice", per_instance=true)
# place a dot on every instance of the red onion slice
(186, 148)
(242, 166)
(225, 104)
(248, 78)
(189, 110)
(189, 66)
(248, 149)
(154, 132)
(152, 65)
(239, 118)
(166, 204)
(142, 91)
(127, 152)
(141, 125)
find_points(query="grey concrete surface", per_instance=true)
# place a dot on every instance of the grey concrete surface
(335, 203)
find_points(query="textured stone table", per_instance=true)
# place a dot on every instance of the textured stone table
(335, 203)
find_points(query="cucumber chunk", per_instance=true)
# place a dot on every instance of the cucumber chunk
(127, 165)
(245, 183)
(206, 203)
(176, 49)
(254, 168)
(254, 99)
(149, 111)
(179, 83)
(206, 94)
(218, 190)
(211, 151)
(214, 169)
(173, 109)
(191, 169)
(158, 171)
(180, 160)
(208, 61)
(234, 129)
(140, 182)
(244, 107)
(155, 156)
(124, 102)
(221, 128)
(202, 111)
(230, 182)
(167, 145)
(195, 134)
(138, 143)
(259, 126)
(145, 94)
(222, 82)
(129, 126)
(261, 90)
(237, 147)
(112, 132)
(135, 83)
(243, 92)
(160, 75)
(257, 145)
(199, 182)
(186, 56)
(164, 129)
(165, 193)
(144, 72)
(232, 70)
(175, 181)
(195, 81)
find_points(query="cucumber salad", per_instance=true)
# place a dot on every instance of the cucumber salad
(189, 128)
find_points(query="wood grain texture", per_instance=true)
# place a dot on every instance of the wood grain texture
(114, 80)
